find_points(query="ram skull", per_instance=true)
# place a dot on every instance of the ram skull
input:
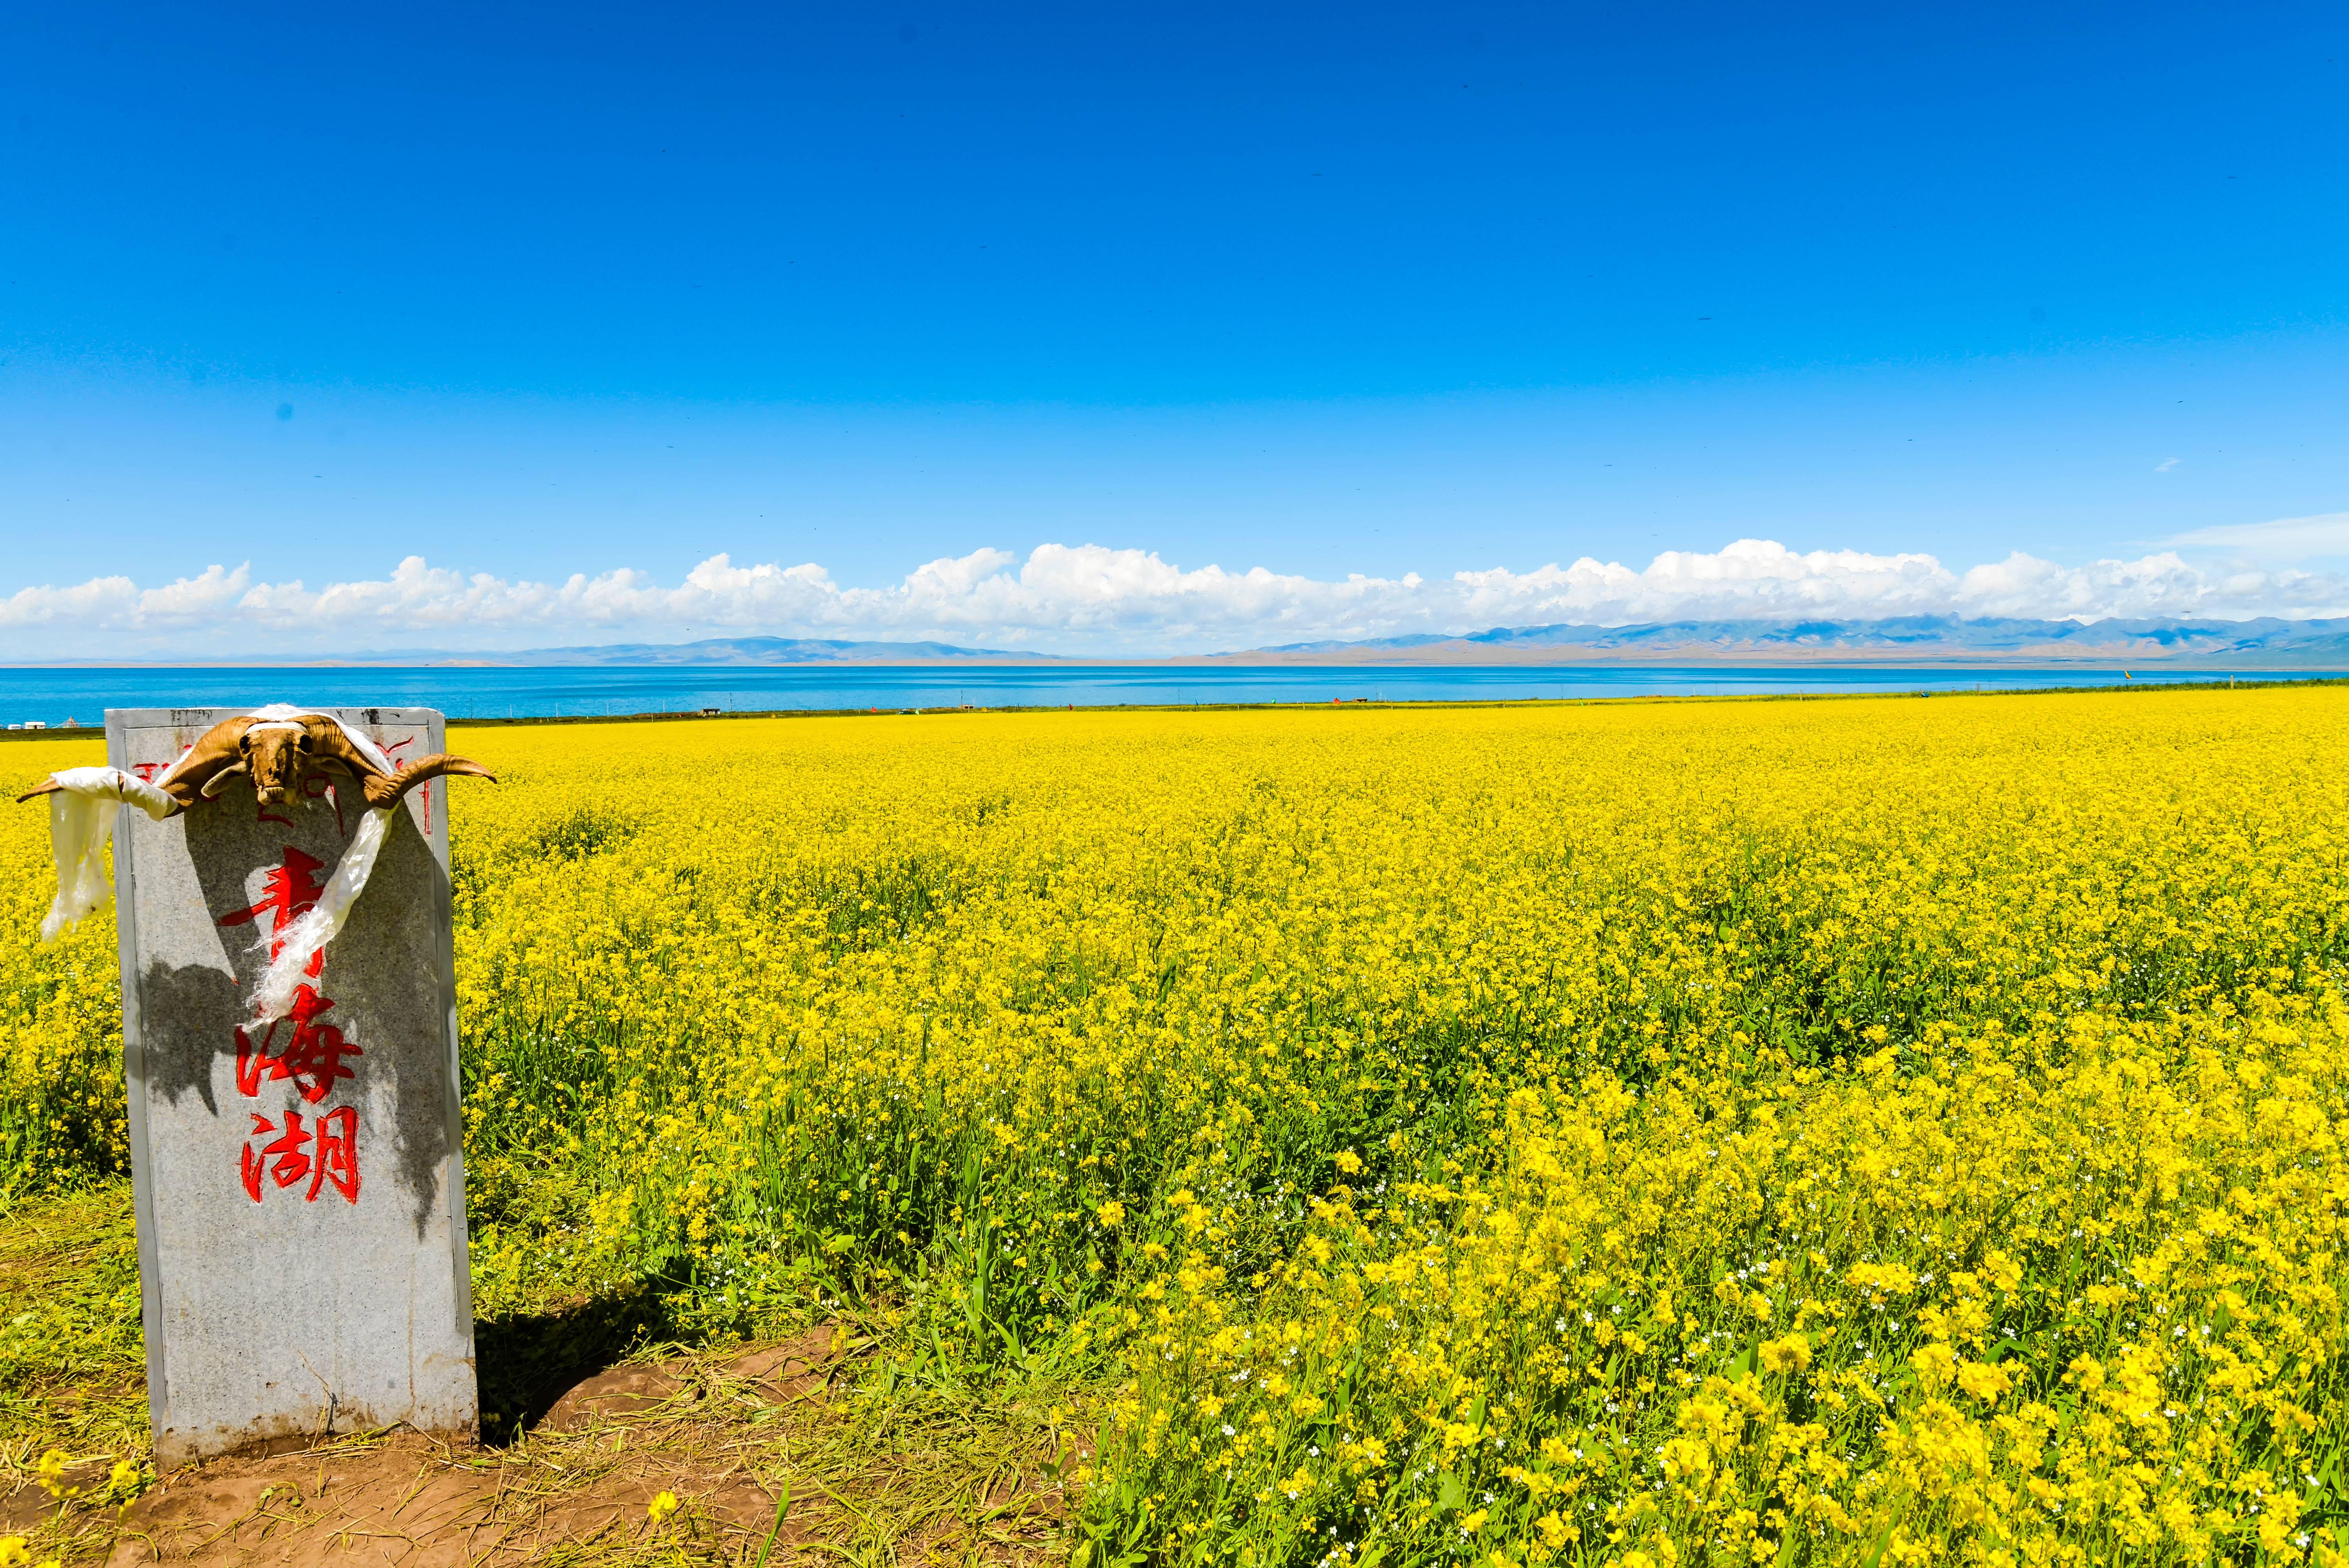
(278, 754)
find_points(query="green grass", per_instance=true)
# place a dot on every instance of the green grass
(73, 1367)
(907, 1459)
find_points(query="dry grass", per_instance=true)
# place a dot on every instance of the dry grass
(813, 1446)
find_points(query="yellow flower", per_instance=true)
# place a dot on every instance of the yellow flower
(1111, 1215)
(662, 1507)
(1686, 1459)
(14, 1552)
(1983, 1381)
(1935, 1365)
(2003, 1273)
(51, 1473)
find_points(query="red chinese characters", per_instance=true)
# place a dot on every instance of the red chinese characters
(311, 1056)
(328, 1152)
(287, 894)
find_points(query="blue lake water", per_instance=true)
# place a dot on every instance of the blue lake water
(53, 695)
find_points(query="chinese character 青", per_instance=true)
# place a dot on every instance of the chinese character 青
(287, 893)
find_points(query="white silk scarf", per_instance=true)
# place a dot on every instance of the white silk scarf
(80, 827)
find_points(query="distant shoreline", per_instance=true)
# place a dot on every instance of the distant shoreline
(97, 731)
(1766, 658)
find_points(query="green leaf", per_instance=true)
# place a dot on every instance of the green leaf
(782, 1507)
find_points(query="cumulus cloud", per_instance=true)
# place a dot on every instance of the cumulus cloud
(195, 599)
(1089, 598)
(100, 601)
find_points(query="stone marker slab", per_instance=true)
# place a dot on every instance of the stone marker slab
(300, 1187)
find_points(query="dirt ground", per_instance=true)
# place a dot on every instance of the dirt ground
(752, 1447)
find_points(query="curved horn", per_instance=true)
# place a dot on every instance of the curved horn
(46, 787)
(330, 744)
(381, 792)
(221, 747)
(219, 781)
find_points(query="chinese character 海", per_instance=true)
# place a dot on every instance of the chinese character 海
(328, 1152)
(313, 1057)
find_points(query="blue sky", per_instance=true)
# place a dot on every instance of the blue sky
(529, 296)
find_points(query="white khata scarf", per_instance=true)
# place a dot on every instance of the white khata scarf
(81, 828)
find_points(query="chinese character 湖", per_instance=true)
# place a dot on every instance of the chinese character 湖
(328, 1152)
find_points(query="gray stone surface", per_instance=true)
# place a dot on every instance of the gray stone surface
(339, 1299)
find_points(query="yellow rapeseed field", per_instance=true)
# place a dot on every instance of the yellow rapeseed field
(1887, 1131)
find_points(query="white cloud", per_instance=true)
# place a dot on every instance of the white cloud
(100, 601)
(2325, 534)
(1089, 598)
(2167, 464)
(195, 599)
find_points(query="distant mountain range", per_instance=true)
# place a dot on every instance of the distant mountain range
(2266, 644)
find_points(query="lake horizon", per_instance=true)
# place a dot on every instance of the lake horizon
(51, 695)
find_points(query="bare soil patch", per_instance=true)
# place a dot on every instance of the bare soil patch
(731, 1437)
